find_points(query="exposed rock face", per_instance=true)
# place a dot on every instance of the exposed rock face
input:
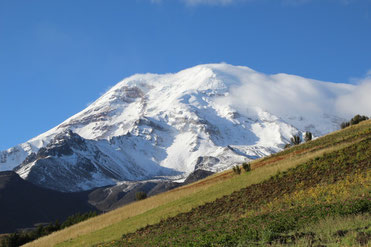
(72, 163)
(197, 175)
(165, 127)
(109, 198)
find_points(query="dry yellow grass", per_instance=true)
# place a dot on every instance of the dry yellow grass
(131, 217)
(125, 212)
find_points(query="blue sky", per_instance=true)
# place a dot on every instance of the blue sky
(57, 56)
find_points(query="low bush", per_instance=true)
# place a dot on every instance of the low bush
(246, 167)
(355, 120)
(236, 169)
(343, 125)
(19, 238)
(295, 140)
(140, 195)
(308, 136)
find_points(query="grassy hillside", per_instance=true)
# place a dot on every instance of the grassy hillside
(292, 196)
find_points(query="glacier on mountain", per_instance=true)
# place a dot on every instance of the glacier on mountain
(152, 126)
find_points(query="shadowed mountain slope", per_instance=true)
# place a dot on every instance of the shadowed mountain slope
(23, 204)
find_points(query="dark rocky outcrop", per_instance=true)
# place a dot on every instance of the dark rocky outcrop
(197, 175)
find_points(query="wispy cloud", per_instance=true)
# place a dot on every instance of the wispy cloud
(282, 95)
(359, 100)
(287, 96)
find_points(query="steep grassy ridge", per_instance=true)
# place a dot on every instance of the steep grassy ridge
(336, 184)
(317, 162)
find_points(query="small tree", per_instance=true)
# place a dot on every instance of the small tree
(343, 125)
(140, 195)
(246, 166)
(357, 119)
(236, 169)
(295, 140)
(308, 136)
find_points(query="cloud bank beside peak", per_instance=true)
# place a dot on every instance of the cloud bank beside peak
(288, 96)
(358, 101)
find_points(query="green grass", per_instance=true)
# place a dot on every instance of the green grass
(3, 236)
(336, 231)
(265, 213)
(203, 194)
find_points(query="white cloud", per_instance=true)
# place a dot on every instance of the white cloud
(284, 95)
(290, 96)
(359, 100)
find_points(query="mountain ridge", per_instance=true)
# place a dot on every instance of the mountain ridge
(166, 126)
(24, 204)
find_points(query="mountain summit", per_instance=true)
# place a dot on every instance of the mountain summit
(153, 126)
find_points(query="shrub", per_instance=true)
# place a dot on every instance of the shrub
(343, 125)
(140, 195)
(287, 145)
(357, 119)
(23, 237)
(246, 167)
(76, 218)
(237, 169)
(308, 136)
(295, 140)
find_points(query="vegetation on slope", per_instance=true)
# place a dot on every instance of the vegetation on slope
(333, 185)
(19, 238)
(317, 160)
(355, 120)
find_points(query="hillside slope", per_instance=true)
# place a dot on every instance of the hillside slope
(24, 204)
(316, 177)
(334, 185)
(167, 126)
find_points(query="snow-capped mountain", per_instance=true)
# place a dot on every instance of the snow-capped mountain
(166, 126)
